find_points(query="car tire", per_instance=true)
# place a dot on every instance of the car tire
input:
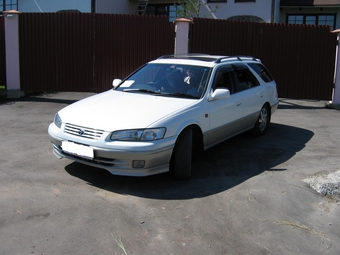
(262, 122)
(181, 158)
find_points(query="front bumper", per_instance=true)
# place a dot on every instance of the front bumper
(118, 157)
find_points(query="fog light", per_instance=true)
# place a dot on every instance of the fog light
(138, 163)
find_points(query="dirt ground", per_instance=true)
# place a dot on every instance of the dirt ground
(247, 195)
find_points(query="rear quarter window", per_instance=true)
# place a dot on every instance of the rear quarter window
(262, 71)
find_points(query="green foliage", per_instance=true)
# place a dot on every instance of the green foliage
(191, 8)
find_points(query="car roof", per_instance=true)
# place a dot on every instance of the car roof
(202, 59)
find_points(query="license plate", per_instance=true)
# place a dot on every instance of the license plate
(77, 149)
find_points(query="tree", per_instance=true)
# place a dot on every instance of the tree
(191, 8)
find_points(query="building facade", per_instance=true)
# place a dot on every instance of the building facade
(312, 12)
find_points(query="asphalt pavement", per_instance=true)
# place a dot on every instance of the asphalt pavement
(248, 195)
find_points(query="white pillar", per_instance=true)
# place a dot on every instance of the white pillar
(336, 90)
(182, 35)
(12, 54)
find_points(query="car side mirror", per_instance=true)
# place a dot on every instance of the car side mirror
(116, 82)
(220, 94)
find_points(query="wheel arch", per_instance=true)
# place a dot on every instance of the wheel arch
(180, 165)
(197, 139)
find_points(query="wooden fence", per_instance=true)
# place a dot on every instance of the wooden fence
(84, 51)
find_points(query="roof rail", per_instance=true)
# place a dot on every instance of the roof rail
(188, 55)
(207, 57)
(240, 58)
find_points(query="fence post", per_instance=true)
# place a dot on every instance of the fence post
(12, 53)
(336, 91)
(182, 35)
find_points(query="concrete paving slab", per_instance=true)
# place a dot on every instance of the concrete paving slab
(247, 195)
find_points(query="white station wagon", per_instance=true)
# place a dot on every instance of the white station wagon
(168, 110)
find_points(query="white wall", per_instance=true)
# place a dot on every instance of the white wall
(116, 6)
(102, 6)
(260, 8)
(53, 5)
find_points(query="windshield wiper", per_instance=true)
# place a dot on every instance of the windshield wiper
(183, 95)
(142, 90)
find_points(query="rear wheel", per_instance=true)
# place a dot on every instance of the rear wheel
(181, 158)
(262, 121)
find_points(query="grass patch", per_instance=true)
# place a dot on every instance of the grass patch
(120, 244)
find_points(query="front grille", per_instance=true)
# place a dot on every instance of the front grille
(85, 132)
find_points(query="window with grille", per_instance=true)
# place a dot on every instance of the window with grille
(6, 5)
(312, 19)
(162, 9)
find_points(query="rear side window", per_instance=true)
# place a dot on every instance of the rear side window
(262, 71)
(246, 79)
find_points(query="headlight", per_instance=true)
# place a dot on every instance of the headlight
(57, 120)
(138, 134)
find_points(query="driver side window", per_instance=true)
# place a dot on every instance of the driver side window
(224, 79)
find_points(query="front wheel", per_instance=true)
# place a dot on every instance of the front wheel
(181, 158)
(262, 121)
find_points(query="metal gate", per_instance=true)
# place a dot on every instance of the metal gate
(300, 57)
(84, 52)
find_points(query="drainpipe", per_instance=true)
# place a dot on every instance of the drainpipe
(336, 91)
(12, 53)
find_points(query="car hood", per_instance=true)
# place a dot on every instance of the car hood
(115, 110)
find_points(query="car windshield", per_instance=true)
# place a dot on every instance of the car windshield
(182, 81)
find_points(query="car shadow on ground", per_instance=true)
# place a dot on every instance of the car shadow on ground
(286, 104)
(220, 168)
